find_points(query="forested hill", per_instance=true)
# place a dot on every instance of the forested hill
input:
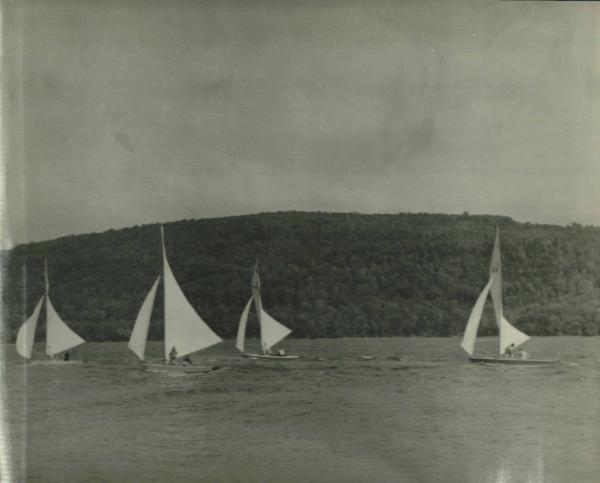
(323, 274)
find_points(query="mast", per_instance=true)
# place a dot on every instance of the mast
(47, 284)
(47, 299)
(165, 264)
(164, 255)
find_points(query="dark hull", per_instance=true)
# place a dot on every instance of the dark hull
(512, 362)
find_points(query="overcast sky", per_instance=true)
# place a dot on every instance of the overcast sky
(131, 112)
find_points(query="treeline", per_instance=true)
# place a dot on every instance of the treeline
(323, 274)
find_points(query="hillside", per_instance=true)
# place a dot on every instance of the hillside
(323, 274)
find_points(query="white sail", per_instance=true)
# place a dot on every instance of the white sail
(139, 334)
(468, 340)
(496, 276)
(510, 335)
(241, 334)
(59, 337)
(271, 331)
(26, 334)
(184, 329)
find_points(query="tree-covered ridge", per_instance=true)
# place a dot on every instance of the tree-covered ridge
(323, 274)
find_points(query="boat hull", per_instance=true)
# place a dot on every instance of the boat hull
(180, 369)
(512, 362)
(54, 363)
(271, 357)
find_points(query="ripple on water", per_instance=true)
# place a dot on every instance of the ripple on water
(419, 411)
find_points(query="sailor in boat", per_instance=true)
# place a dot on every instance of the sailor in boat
(521, 354)
(173, 356)
(509, 351)
(177, 361)
(66, 357)
(281, 353)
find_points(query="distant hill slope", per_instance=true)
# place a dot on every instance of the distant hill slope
(323, 274)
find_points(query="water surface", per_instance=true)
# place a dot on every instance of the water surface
(419, 412)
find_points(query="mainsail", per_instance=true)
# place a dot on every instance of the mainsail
(59, 337)
(26, 334)
(271, 331)
(184, 329)
(139, 335)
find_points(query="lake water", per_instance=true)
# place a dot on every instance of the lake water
(425, 415)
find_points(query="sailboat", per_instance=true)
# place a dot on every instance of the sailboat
(59, 337)
(271, 331)
(185, 331)
(509, 337)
